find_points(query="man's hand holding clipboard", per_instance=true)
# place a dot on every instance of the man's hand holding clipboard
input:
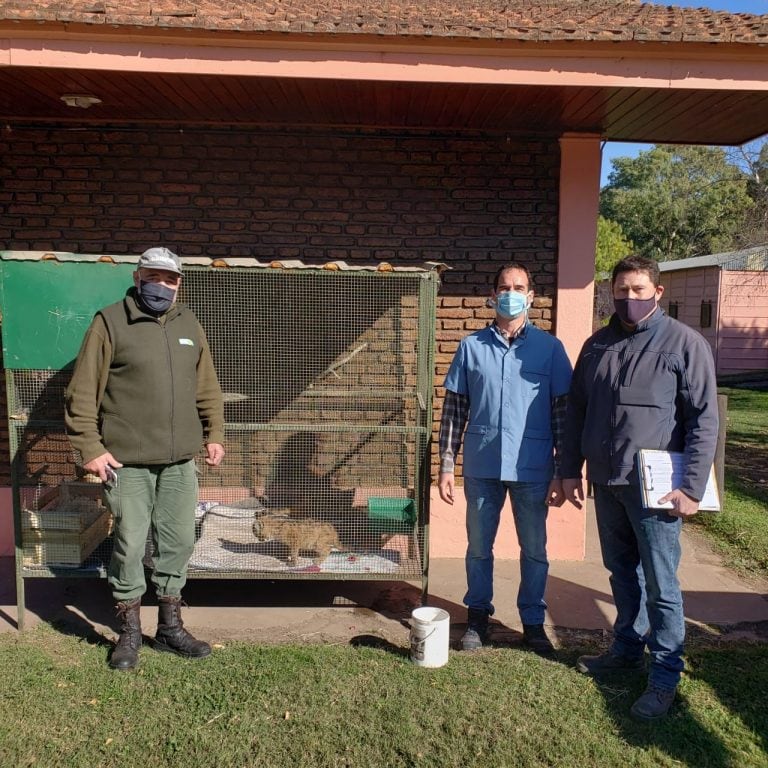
(661, 474)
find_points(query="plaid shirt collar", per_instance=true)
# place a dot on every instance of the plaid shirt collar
(507, 338)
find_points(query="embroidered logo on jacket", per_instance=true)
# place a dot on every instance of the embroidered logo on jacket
(187, 342)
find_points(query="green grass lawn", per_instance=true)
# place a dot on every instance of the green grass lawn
(740, 532)
(369, 707)
(360, 706)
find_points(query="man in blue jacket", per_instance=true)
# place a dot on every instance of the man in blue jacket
(507, 384)
(645, 381)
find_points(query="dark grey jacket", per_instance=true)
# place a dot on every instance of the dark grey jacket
(653, 387)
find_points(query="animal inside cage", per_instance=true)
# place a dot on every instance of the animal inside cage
(327, 378)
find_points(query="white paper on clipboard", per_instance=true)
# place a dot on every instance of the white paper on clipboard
(662, 471)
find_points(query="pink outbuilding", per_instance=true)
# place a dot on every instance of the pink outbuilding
(724, 296)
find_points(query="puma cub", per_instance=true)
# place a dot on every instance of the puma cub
(298, 535)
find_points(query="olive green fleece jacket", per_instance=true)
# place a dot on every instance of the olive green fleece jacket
(144, 388)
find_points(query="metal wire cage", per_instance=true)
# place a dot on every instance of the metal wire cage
(327, 377)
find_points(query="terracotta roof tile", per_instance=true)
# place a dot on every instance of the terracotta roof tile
(546, 20)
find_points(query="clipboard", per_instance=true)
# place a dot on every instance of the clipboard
(662, 471)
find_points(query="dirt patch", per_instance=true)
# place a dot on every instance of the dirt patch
(749, 463)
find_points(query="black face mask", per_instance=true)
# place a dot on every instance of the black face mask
(155, 298)
(632, 311)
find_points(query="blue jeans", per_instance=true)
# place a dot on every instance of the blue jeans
(641, 549)
(485, 498)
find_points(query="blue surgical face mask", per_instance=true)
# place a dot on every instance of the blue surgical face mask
(154, 297)
(511, 304)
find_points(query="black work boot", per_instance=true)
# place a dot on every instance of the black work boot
(653, 704)
(171, 635)
(535, 638)
(125, 655)
(608, 662)
(477, 630)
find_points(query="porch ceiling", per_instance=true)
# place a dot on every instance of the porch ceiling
(617, 113)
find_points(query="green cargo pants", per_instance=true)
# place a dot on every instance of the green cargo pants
(164, 498)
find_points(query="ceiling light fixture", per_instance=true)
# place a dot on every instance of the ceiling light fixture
(82, 100)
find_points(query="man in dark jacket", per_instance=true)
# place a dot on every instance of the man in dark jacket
(645, 381)
(143, 400)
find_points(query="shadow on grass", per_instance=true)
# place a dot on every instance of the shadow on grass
(380, 644)
(71, 623)
(736, 678)
(680, 735)
(739, 680)
(746, 453)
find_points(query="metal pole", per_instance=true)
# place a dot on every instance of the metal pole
(722, 412)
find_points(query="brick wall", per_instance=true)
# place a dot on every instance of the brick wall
(472, 202)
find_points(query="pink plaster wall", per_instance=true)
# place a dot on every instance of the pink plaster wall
(577, 228)
(447, 533)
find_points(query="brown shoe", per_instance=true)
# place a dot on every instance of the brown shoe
(125, 655)
(171, 635)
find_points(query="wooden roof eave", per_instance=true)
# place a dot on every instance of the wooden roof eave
(610, 44)
(687, 65)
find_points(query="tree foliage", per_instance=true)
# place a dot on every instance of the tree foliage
(675, 202)
(612, 245)
(752, 159)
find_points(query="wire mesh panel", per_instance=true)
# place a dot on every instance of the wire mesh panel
(62, 523)
(310, 507)
(327, 410)
(327, 381)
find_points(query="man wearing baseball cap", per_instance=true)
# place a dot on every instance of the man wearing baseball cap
(143, 400)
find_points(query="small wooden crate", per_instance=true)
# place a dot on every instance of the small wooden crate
(47, 546)
(77, 514)
(71, 507)
(67, 528)
(75, 489)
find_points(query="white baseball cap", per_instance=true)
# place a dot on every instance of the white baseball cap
(160, 258)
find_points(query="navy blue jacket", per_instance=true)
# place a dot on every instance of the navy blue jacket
(653, 387)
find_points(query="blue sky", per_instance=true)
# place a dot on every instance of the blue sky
(621, 149)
